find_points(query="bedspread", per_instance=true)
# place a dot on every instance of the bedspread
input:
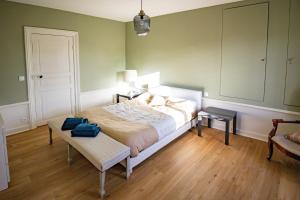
(136, 135)
(137, 124)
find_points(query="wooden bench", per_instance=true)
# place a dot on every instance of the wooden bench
(102, 151)
(220, 115)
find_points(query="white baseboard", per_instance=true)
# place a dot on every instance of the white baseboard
(252, 121)
(15, 117)
(18, 129)
(245, 133)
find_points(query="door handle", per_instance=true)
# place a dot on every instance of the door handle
(290, 60)
(263, 59)
(37, 76)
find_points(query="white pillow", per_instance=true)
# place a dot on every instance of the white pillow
(144, 98)
(175, 100)
(157, 101)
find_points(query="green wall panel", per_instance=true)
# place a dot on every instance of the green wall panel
(292, 87)
(101, 47)
(244, 45)
(186, 48)
(177, 48)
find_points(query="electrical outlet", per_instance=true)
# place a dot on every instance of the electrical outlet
(24, 119)
(206, 94)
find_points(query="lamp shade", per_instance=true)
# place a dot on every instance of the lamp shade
(141, 24)
(130, 75)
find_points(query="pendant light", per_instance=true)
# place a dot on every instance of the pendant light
(141, 23)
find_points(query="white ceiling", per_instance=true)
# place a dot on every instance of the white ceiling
(124, 10)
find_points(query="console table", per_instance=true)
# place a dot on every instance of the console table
(218, 114)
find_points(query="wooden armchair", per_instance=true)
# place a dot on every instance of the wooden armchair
(276, 136)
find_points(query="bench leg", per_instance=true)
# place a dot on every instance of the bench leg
(128, 167)
(50, 136)
(69, 154)
(102, 184)
(227, 122)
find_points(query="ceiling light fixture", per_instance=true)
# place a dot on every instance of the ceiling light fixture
(141, 23)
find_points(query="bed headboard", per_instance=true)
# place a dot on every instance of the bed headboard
(193, 95)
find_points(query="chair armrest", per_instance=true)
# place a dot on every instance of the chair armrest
(276, 121)
(275, 125)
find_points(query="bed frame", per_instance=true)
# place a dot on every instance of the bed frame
(193, 95)
(163, 91)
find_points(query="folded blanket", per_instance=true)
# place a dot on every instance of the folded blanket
(71, 123)
(85, 130)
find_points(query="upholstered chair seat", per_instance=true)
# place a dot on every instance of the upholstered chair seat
(287, 144)
(278, 137)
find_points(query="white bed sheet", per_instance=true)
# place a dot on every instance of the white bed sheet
(165, 119)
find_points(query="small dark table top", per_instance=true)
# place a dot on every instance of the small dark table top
(128, 96)
(218, 113)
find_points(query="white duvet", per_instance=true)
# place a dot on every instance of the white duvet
(164, 118)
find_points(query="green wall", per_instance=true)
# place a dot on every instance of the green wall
(185, 48)
(101, 47)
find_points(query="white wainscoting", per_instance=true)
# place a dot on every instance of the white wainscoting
(97, 97)
(253, 121)
(15, 117)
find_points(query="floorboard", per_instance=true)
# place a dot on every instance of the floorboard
(191, 167)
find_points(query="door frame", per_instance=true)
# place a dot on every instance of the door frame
(28, 31)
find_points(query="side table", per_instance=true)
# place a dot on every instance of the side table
(218, 114)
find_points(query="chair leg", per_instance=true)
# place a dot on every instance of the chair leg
(270, 144)
(50, 136)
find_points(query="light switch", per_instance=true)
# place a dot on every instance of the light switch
(21, 78)
(206, 94)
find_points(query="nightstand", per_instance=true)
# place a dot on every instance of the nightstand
(127, 96)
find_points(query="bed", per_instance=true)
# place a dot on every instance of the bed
(149, 122)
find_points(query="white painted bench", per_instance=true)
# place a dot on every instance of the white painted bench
(102, 151)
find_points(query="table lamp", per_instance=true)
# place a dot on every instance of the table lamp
(130, 77)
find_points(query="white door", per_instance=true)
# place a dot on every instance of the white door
(52, 75)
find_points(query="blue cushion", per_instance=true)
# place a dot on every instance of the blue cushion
(71, 123)
(85, 130)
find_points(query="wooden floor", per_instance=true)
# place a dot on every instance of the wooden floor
(191, 167)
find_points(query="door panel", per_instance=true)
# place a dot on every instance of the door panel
(244, 46)
(54, 91)
(292, 84)
(58, 48)
(60, 98)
